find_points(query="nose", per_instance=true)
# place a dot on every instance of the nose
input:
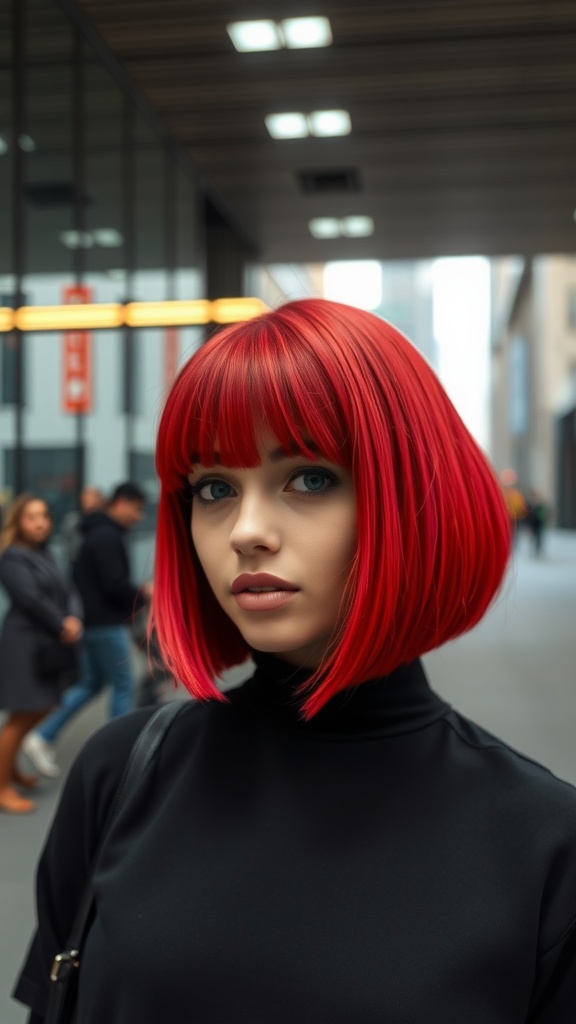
(255, 527)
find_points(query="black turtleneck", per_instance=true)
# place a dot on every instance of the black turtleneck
(400, 703)
(386, 862)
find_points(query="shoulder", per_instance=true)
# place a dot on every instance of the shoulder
(106, 752)
(17, 560)
(98, 528)
(108, 748)
(96, 773)
(515, 777)
(14, 555)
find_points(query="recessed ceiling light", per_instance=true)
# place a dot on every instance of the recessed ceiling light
(287, 126)
(343, 227)
(108, 238)
(26, 143)
(249, 36)
(324, 227)
(330, 122)
(357, 227)
(304, 32)
(76, 239)
(322, 123)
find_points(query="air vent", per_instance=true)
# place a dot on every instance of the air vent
(48, 194)
(346, 180)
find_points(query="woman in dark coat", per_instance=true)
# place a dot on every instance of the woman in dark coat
(43, 604)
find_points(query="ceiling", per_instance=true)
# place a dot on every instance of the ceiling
(463, 119)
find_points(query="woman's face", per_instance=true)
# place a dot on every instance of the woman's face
(291, 519)
(35, 523)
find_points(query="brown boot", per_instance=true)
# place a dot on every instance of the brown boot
(23, 779)
(12, 803)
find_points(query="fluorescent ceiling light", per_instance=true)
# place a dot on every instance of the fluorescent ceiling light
(357, 227)
(287, 126)
(330, 122)
(3, 145)
(108, 238)
(325, 227)
(249, 36)
(303, 32)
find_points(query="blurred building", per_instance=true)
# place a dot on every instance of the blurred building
(97, 203)
(534, 377)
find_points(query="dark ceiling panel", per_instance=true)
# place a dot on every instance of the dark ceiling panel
(463, 115)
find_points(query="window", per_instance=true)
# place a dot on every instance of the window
(143, 473)
(49, 472)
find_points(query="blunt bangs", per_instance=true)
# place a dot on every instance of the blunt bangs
(433, 529)
(244, 378)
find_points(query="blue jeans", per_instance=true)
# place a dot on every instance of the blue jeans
(105, 660)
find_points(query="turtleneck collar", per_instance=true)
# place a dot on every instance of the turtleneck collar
(389, 706)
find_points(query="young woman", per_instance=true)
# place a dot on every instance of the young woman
(43, 605)
(330, 841)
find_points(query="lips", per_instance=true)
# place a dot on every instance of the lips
(259, 580)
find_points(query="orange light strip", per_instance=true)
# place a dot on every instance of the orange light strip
(229, 311)
(6, 319)
(167, 314)
(82, 316)
(105, 316)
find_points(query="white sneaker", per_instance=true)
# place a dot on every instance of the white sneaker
(41, 754)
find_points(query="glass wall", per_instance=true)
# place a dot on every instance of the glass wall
(94, 206)
(6, 282)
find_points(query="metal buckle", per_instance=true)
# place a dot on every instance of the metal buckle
(69, 957)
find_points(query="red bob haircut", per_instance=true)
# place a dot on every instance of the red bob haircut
(433, 530)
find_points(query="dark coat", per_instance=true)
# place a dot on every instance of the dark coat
(41, 597)
(102, 573)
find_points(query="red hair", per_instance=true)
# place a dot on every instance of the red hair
(433, 530)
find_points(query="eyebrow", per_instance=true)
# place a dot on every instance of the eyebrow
(278, 454)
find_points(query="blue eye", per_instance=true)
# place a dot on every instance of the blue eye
(208, 492)
(314, 481)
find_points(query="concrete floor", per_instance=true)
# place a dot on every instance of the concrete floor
(515, 674)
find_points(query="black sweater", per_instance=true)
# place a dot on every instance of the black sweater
(102, 574)
(389, 862)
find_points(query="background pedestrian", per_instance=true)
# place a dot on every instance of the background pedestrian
(45, 612)
(101, 573)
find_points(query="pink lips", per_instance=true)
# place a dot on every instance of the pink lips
(262, 601)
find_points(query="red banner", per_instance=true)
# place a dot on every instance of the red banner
(76, 358)
(171, 354)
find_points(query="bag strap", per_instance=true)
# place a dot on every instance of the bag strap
(142, 753)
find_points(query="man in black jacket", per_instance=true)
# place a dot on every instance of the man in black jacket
(102, 576)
